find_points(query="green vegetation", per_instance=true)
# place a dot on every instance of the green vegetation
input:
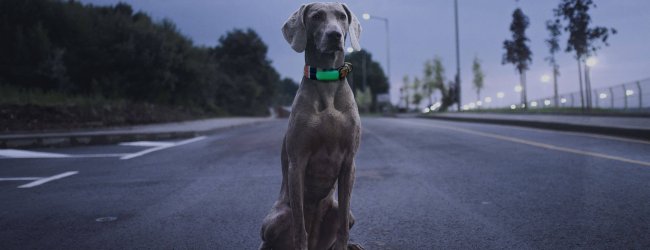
(66, 53)
(479, 76)
(517, 51)
(583, 39)
(367, 74)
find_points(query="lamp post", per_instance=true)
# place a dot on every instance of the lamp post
(457, 56)
(367, 16)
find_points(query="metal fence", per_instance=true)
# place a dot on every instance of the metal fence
(633, 96)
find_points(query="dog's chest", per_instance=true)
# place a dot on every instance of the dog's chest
(333, 128)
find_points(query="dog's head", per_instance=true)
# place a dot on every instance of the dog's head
(326, 25)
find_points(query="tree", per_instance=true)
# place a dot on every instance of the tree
(374, 76)
(417, 93)
(429, 84)
(241, 55)
(286, 91)
(517, 51)
(448, 97)
(582, 39)
(478, 77)
(552, 42)
(405, 91)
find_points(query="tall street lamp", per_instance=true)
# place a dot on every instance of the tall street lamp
(457, 57)
(367, 16)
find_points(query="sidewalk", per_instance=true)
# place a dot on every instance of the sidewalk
(633, 127)
(111, 135)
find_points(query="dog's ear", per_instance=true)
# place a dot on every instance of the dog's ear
(294, 30)
(354, 28)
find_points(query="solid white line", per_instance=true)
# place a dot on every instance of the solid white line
(146, 151)
(146, 143)
(48, 179)
(541, 145)
(20, 178)
(45, 156)
(15, 153)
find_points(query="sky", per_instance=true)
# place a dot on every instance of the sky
(422, 29)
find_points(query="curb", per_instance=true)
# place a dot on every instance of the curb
(85, 139)
(643, 134)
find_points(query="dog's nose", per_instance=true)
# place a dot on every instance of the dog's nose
(334, 35)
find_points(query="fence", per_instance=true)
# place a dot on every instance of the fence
(633, 96)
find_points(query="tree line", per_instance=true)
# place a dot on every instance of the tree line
(570, 16)
(116, 53)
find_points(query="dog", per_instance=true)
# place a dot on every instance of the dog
(322, 138)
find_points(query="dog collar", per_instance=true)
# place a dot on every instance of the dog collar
(319, 74)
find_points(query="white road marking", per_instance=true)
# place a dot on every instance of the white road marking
(147, 143)
(538, 144)
(161, 147)
(20, 178)
(15, 153)
(608, 137)
(25, 154)
(42, 181)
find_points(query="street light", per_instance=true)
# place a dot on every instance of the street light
(367, 16)
(591, 61)
(350, 50)
(545, 78)
(500, 95)
(518, 88)
(488, 99)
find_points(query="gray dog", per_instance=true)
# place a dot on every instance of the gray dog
(322, 139)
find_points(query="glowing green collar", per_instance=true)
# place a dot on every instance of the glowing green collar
(319, 74)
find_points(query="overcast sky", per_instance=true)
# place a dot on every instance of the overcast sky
(420, 29)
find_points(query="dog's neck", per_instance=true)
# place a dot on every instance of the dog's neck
(326, 91)
(315, 58)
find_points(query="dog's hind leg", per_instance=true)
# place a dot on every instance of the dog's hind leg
(276, 229)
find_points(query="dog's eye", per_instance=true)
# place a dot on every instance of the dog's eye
(342, 16)
(317, 16)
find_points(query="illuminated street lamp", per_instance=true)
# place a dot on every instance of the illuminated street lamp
(350, 50)
(518, 88)
(500, 95)
(591, 61)
(488, 99)
(545, 78)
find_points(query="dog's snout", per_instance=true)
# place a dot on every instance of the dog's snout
(334, 35)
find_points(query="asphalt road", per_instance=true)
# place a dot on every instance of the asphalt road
(421, 184)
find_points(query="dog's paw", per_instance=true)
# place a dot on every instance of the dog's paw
(355, 246)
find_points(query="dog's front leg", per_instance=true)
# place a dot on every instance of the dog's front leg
(345, 183)
(296, 183)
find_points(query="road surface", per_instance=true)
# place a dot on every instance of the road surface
(421, 184)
